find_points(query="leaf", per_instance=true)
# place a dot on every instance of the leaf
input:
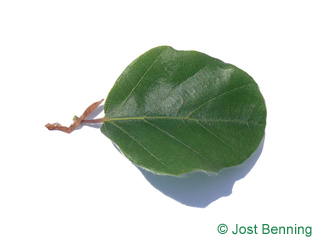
(172, 112)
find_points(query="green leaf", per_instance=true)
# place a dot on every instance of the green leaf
(172, 112)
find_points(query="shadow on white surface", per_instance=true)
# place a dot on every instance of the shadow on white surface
(199, 189)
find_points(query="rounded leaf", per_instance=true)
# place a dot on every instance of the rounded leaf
(172, 112)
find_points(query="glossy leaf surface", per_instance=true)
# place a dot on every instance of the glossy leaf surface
(173, 112)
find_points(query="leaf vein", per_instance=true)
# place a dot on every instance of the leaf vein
(176, 139)
(217, 137)
(141, 146)
(215, 97)
(140, 80)
(181, 118)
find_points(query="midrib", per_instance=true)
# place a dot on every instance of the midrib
(175, 118)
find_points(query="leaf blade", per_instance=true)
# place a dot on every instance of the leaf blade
(184, 111)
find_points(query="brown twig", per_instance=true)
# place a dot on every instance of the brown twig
(78, 121)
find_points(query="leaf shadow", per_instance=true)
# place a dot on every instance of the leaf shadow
(200, 189)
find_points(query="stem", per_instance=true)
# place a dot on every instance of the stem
(94, 121)
(78, 121)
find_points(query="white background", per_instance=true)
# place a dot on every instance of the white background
(58, 57)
